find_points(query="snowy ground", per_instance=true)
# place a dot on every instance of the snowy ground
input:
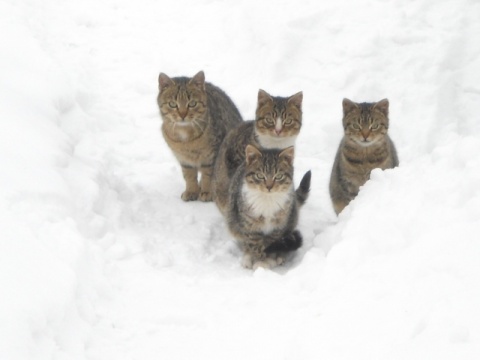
(99, 257)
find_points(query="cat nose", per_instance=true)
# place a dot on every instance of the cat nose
(183, 113)
(278, 131)
(269, 185)
(365, 134)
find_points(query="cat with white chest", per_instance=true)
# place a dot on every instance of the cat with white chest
(263, 206)
(277, 123)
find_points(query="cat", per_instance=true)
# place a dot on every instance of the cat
(276, 126)
(262, 207)
(196, 117)
(365, 146)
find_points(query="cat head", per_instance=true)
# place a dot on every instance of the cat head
(183, 100)
(269, 170)
(365, 123)
(278, 118)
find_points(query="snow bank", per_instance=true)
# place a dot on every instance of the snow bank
(99, 257)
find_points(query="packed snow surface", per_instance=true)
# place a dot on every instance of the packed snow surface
(99, 257)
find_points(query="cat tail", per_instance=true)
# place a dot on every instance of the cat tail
(304, 188)
(289, 242)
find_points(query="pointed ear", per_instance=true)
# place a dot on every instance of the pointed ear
(263, 98)
(164, 81)
(199, 80)
(252, 154)
(382, 105)
(288, 154)
(296, 100)
(348, 105)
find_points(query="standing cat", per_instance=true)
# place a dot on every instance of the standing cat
(276, 126)
(262, 207)
(364, 147)
(196, 117)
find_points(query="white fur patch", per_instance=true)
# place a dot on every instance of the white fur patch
(278, 124)
(272, 142)
(265, 204)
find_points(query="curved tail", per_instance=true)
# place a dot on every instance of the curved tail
(289, 242)
(304, 188)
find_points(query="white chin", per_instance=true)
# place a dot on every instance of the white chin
(183, 123)
(276, 142)
(365, 143)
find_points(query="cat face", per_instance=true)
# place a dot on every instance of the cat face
(183, 101)
(365, 123)
(269, 171)
(278, 117)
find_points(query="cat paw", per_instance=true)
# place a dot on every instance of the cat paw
(205, 196)
(268, 263)
(247, 261)
(189, 196)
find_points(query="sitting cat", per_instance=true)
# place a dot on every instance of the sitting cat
(276, 126)
(196, 117)
(262, 207)
(364, 147)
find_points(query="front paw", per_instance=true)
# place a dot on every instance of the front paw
(269, 263)
(189, 196)
(205, 196)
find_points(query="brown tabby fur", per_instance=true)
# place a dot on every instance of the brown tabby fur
(276, 126)
(364, 147)
(263, 206)
(196, 117)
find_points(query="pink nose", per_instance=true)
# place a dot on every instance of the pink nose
(182, 113)
(278, 131)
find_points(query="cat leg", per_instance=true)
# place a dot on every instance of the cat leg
(206, 182)
(192, 189)
(247, 261)
(253, 250)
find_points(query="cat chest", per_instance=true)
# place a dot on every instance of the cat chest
(192, 151)
(267, 211)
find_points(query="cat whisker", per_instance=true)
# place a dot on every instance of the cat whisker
(197, 125)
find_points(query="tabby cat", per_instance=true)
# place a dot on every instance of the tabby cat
(262, 207)
(276, 126)
(365, 146)
(196, 117)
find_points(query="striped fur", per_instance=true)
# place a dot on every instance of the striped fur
(196, 117)
(263, 206)
(364, 147)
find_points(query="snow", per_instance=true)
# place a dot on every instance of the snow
(99, 257)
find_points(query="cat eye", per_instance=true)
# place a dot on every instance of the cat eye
(192, 104)
(279, 177)
(172, 104)
(288, 121)
(356, 127)
(260, 176)
(374, 127)
(269, 120)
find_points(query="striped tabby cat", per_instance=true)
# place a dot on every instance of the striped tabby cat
(364, 147)
(196, 117)
(262, 207)
(276, 126)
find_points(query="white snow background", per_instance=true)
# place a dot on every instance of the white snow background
(99, 257)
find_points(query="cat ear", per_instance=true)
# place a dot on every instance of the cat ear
(296, 99)
(263, 98)
(199, 80)
(288, 154)
(164, 81)
(382, 105)
(348, 105)
(252, 154)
